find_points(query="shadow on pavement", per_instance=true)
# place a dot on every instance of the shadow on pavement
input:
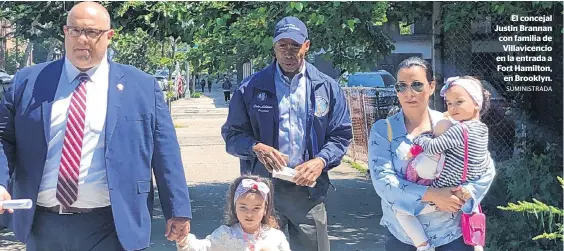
(208, 200)
(217, 96)
(353, 214)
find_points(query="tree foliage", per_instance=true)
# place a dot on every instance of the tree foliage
(221, 34)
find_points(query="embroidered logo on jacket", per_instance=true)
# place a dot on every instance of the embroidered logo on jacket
(261, 96)
(321, 106)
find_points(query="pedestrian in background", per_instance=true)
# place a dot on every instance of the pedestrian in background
(209, 85)
(203, 84)
(226, 89)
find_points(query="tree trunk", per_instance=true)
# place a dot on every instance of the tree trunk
(239, 67)
(51, 52)
(173, 54)
(28, 49)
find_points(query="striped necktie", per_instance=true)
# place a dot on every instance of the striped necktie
(67, 185)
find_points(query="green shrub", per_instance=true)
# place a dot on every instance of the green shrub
(542, 211)
(528, 177)
(195, 94)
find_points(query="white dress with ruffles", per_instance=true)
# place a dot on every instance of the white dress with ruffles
(226, 238)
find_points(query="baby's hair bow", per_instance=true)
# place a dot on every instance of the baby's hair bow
(247, 185)
(469, 85)
(448, 84)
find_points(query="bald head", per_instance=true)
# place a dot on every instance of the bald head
(87, 35)
(92, 11)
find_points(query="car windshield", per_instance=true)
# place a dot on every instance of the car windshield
(376, 79)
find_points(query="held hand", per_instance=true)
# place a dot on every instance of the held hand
(4, 195)
(271, 158)
(308, 172)
(183, 243)
(177, 228)
(461, 193)
(444, 199)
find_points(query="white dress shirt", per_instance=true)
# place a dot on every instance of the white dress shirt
(93, 185)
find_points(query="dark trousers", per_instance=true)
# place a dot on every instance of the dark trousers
(203, 88)
(227, 95)
(93, 231)
(306, 219)
(209, 88)
(393, 244)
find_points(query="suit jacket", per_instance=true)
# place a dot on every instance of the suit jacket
(140, 138)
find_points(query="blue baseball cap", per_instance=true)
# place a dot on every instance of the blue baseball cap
(292, 28)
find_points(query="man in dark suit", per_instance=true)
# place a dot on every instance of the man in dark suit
(81, 137)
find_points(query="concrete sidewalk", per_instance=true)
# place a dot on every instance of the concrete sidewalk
(353, 208)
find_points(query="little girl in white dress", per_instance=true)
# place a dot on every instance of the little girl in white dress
(249, 223)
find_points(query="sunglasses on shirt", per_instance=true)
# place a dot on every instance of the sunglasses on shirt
(415, 86)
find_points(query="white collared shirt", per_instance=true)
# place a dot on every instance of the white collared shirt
(93, 185)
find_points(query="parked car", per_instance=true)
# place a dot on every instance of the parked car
(380, 95)
(5, 82)
(5, 78)
(381, 79)
(162, 82)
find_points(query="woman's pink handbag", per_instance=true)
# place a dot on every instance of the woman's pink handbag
(474, 224)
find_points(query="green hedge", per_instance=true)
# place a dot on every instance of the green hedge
(525, 178)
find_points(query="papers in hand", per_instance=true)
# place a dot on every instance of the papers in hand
(16, 204)
(287, 174)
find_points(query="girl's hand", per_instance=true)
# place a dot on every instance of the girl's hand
(444, 199)
(183, 242)
(461, 193)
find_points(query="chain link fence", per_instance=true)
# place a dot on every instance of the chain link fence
(367, 105)
(475, 49)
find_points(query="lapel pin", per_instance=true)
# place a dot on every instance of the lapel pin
(120, 87)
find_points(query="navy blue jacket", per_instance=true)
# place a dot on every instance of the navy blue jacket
(254, 115)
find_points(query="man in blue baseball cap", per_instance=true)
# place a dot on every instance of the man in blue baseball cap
(291, 115)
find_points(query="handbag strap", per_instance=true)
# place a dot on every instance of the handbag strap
(465, 171)
(389, 130)
(465, 136)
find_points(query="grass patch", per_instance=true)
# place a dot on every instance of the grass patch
(356, 166)
(177, 126)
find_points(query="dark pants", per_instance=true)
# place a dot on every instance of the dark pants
(306, 219)
(209, 88)
(203, 88)
(393, 244)
(227, 95)
(93, 231)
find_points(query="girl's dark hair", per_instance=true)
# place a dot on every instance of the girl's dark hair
(485, 93)
(230, 211)
(417, 61)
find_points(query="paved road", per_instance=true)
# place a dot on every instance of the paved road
(353, 208)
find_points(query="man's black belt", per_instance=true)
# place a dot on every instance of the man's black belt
(72, 210)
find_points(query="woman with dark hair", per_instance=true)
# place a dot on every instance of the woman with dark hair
(388, 154)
